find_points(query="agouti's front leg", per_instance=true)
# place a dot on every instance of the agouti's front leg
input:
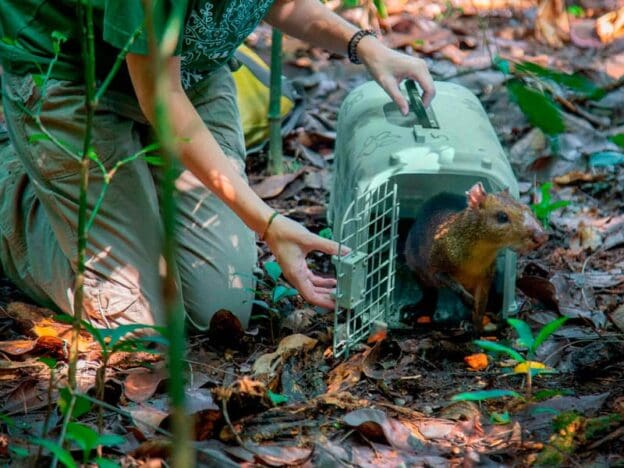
(480, 301)
(447, 280)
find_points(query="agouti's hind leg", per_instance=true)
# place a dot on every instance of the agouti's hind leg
(446, 280)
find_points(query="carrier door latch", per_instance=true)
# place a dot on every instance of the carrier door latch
(351, 273)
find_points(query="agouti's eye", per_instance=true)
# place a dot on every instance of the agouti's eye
(502, 217)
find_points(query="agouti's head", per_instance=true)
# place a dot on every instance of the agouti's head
(504, 220)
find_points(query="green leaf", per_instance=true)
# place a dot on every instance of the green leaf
(63, 455)
(280, 292)
(326, 233)
(110, 440)
(154, 160)
(545, 394)
(525, 336)
(48, 361)
(261, 304)
(38, 79)
(350, 3)
(576, 10)
(382, 11)
(539, 109)
(618, 139)
(273, 270)
(546, 331)
(8, 40)
(501, 65)
(19, 452)
(81, 406)
(37, 137)
(119, 332)
(84, 437)
(606, 159)
(276, 398)
(575, 82)
(499, 348)
(106, 463)
(485, 395)
(500, 418)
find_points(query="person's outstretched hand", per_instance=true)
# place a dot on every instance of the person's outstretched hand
(290, 242)
(389, 68)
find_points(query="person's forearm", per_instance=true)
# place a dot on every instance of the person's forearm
(313, 22)
(203, 156)
(199, 151)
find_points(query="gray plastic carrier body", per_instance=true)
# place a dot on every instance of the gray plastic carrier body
(386, 166)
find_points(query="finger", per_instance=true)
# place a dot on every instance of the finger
(323, 282)
(391, 86)
(321, 297)
(327, 246)
(423, 78)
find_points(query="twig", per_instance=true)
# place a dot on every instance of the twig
(237, 436)
(619, 432)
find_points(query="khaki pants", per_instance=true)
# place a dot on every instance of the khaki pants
(39, 209)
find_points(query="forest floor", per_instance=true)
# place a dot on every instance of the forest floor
(275, 395)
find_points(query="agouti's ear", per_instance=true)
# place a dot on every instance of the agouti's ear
(476, 196)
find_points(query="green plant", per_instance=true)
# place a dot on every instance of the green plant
(576, 10)
(529, 343)
(536, 90)
(275, 291)
(546, 206)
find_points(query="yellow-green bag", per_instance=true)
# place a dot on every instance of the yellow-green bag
(252, 84)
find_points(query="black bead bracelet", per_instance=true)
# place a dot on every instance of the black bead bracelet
(354, 41)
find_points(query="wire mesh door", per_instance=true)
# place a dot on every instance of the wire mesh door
(365, 276)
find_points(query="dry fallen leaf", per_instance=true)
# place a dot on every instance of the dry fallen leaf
(477, 361)
(273, 185)
(141, 384)
(610, 26)
(551, 23)
(523, 367)
(270, 362)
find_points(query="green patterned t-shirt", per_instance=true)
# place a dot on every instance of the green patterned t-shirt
(212, 31)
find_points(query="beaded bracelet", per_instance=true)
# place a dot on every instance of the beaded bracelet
(266, 229)
(353, 43)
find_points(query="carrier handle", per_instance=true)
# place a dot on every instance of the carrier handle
(418, 107)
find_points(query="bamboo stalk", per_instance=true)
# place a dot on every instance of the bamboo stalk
(182, 455)
(276, 165)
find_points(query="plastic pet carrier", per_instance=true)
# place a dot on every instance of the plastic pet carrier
(386, 166)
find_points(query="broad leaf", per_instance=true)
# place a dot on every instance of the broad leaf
(326, 233)
(48, 361)
(84, 437)
(81, 406)
(37, 137)
(273, 270)
(106, 463)
(63, 455)
(546, 331)
(525, 336)
(276, 398)
(485, 395)
(539, 109)
(500, 418)
(110, 440)
(575, 82)
(499, 348)
(618, 139)
(280, 292)
(606, 159)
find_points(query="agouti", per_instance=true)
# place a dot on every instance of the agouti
(454, 242)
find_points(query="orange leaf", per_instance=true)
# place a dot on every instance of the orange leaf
(424, 319)
(477, 361)
(378, 336)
